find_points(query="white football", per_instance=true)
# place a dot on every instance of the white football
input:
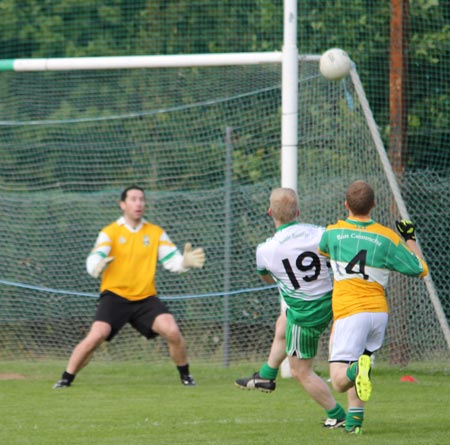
(335, 64)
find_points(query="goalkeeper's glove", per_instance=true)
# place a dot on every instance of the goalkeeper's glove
(406, 229)
(101, 266)
(193, 257)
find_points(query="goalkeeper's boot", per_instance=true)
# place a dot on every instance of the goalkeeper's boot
(187, 380)
(334, 423)
(256, 382)
(363, 385)
(63, 383)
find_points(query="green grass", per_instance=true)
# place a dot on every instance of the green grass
(135, 403)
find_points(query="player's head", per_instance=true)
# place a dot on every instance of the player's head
(124, 194)
(132, 203)
(284, 207)
(360, 198)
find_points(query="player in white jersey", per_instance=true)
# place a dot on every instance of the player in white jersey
(290, 259)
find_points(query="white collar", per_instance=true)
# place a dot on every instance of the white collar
(121, 221)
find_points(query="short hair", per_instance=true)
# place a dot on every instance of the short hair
(123, 195)
(284, 204)
(360, 197)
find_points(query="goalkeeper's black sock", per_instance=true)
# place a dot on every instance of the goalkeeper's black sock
(68, 376)
(183, 370)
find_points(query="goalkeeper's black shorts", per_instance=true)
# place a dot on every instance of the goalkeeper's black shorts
(117, 311)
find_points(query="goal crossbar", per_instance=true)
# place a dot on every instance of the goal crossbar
(134, 62)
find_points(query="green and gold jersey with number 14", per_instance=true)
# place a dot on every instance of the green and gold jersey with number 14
(362, 254)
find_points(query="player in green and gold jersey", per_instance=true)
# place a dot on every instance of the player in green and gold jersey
(362, 253)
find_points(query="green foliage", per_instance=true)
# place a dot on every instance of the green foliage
(74, 28)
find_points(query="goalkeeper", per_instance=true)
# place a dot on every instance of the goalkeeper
(125, 255)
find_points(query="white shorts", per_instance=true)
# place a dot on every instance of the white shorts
(352, 335)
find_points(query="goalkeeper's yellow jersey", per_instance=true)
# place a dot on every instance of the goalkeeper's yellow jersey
(136, 253)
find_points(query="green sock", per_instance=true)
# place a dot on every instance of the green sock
(266, 372)
(336, 413)
(355, 417)
(352, 370)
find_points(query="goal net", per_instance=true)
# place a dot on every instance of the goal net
(204, 142)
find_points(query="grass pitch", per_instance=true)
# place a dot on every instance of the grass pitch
(135, 403)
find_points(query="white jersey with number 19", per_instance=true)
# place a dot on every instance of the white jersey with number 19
(291, 257)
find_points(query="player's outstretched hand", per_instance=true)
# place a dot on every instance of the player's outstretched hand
(193, 257)
(406, 229)
(101, 266)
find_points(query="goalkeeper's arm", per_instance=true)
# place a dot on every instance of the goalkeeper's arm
(96, 263)
(99, 258)
(191, 258)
